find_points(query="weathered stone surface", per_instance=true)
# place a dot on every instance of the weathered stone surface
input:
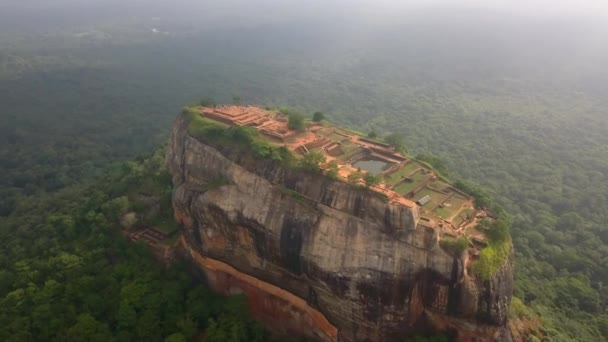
(364, 264)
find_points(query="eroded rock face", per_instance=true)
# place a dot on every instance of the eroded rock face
(349, 256)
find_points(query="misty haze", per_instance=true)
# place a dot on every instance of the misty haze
(319, 171)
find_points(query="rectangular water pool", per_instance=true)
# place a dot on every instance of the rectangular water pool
(371, 165)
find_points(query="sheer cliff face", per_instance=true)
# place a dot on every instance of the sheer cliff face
(321, 257)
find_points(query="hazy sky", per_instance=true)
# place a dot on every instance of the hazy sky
(527, 7)
(374, 12)
(575, 29)
(533, 7)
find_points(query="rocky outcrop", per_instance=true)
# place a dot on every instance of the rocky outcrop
(322, 257)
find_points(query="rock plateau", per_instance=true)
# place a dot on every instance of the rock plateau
(321, 257)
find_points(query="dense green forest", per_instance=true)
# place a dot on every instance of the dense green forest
(530, 129)
(69, 274)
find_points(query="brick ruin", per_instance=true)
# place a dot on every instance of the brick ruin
(404, 181)
(270, 124)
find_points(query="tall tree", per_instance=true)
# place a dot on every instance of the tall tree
(295, 121)
(318, 117)
(371, 179)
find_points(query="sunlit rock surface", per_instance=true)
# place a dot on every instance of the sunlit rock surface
(324, 258)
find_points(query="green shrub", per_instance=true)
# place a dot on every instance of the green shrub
(518, 309)
(296, 122)
(498, 232)
(318, 117)
(218, 134)
(312, 161)
(371, 179)
(454, 246)
(283, 155)
(354, 177)
(332, 170)
(204, 129)
(491, 259)
(242, 134)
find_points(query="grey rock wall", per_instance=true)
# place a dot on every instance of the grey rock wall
(363, 263)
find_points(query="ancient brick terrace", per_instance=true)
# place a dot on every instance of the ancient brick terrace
(403, 180)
